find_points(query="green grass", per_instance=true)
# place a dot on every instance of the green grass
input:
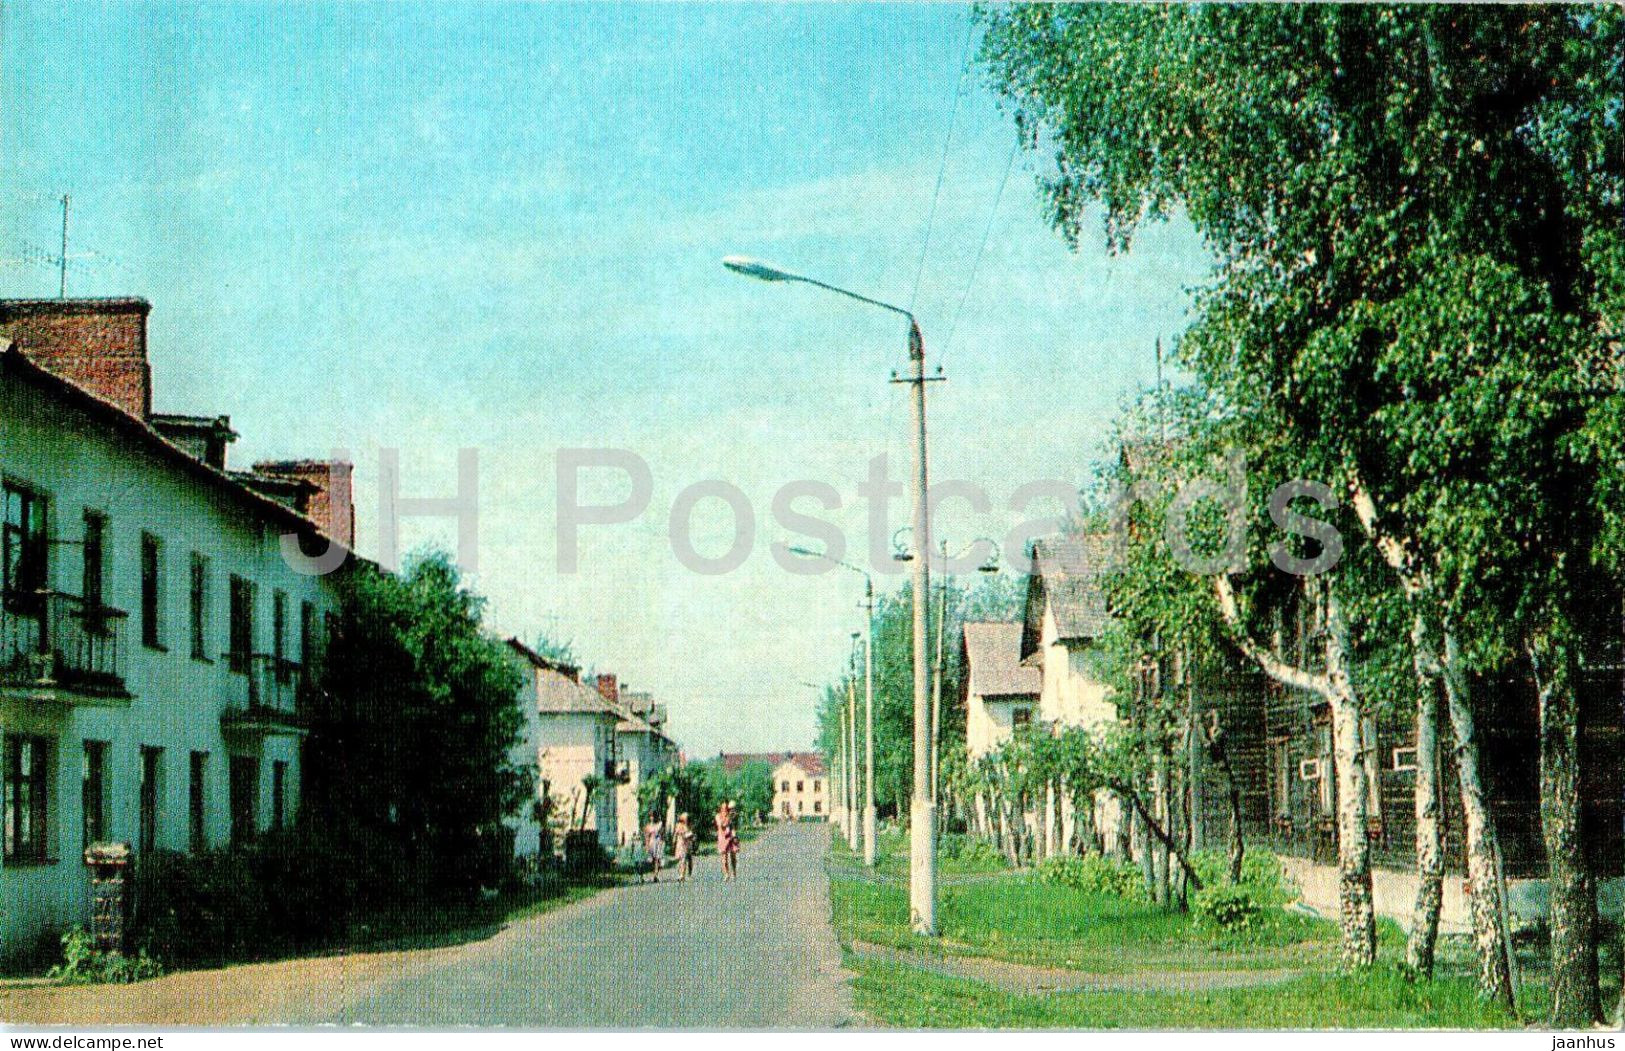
(955, 857)
(899, 995)
(1019, 919)
(1012, 916)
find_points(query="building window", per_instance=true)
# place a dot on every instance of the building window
(279, 794)
(25, 550)
(241, 650)
(307, 633)
(784, 786)
(245, 797)
(152, 591)
(818, 786)
(279, 634)
(198, 605)
(25, 791)
(93, 792)
(197, 803)
(800, 806)
(152, 772)
(800, 785)
(92, 586)
(818, 808)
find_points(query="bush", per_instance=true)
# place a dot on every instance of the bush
(968, 852)
(1261, 871)
(1228, 908)
(84, 964)
(1094, 874)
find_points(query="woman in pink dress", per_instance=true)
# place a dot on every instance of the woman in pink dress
(728, 841)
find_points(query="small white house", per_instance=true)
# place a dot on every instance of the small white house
(1066, 615)
(644, 749)
(570, 737)
(801, 788)
(155, 643)
(1000, 692)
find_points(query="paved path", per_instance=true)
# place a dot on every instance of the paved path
(757, 953)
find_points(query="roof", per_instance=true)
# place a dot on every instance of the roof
(77, 305)
(993, 658)
(558, 689)
(15, 365)
(810, 762)
(1066, 577)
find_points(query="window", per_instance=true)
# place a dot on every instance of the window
(152, 593)
(1369, 755)
(152, 771)
(800, 785)
(818, 808)
(197, 803)
(784, 786)
(800, 806)
(307, 633)
(198, 605)
(245, 797)
(279, 634)
(241, 651)
(24, 550)
(279, 794)
(818, 786)
(26, 782)
(93, 585)
(93, 792)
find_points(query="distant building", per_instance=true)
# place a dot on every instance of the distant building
(642, 748)
(155, 644)
(1000, 692)
(801, 787)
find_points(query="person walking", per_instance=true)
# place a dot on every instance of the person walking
(654, 843)
(728, 841)
(682, 844)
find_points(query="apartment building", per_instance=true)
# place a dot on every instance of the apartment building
(155, 641)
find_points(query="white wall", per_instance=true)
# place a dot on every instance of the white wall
(570, 747)
(177, 700)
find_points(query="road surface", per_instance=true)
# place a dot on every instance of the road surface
(756, 953)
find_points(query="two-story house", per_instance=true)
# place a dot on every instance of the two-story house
(155, 636)
(570, 737)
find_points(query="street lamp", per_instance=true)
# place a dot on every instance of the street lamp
(922, 867)
(868, 697)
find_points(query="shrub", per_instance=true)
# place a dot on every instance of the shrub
(1261, 871)
(970, 853)
(1228, 908)
(84, 964)
(1094, 874)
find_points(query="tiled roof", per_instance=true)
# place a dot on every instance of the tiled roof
(1066, 574)
(993, 658)
(558, 688)
(811, 762)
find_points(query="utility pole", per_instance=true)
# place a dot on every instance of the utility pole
(62, 260)
(851, 779)
(922, 883)
(936, 684)
(869, 722)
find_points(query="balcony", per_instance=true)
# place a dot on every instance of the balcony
(618, 771)
(54, 647)
(264, 698)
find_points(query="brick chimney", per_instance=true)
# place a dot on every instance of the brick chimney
(609, 689)
(332, 505)
(97, 344)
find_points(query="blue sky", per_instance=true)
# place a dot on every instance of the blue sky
(499, 226)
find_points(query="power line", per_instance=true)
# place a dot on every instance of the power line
(953, 326)
(942, 166)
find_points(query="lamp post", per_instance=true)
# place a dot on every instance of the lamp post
(922, 868)
(868, 698)
(989, 565)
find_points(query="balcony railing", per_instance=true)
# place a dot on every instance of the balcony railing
(267, 697)
(51, 640)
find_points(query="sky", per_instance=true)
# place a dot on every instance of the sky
(499, 227)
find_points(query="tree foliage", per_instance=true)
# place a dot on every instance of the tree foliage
(410, 747)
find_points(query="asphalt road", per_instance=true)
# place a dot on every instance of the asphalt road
(758, 953)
